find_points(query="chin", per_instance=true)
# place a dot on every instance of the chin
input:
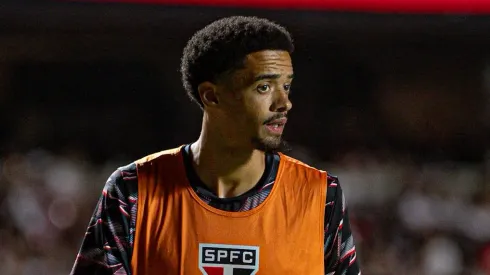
(271, 144)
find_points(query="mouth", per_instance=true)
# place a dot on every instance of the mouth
(276, 126)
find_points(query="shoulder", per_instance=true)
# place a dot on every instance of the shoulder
(302, 171)
(299, 165)
(122, 182)
(333, 185)
(335, 194)
(332, 181)
(162, 155)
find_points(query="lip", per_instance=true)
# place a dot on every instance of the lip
(280, 121)
(276, 126)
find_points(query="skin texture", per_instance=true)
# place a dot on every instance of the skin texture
(229, 154)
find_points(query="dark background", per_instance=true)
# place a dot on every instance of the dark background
(396, 105)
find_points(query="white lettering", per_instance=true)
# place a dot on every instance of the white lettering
(209, 256)
(222, 254)
(234, 255)
(249, 260)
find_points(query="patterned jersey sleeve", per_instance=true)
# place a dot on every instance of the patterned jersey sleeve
(107, 246)
(340, 251)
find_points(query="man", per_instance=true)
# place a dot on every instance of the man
(228, 203)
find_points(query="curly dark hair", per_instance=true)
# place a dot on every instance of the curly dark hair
(221, 47)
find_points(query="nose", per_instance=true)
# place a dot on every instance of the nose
(281, 102)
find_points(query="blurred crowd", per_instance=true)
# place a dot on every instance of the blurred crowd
(418, 218)
(407, 217)
(46, 201)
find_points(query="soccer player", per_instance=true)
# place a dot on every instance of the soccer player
(229, 203)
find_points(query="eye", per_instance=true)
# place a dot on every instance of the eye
(263, 88)
(287, 87)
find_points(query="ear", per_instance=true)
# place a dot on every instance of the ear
(208, 93)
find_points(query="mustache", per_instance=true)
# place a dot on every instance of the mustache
(274, 117)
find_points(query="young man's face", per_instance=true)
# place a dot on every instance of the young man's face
(255, 101)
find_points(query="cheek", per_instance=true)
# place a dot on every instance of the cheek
(261, 104)
(256, 114)
(252, 108)
(255, 102)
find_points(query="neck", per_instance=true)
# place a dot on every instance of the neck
(227, 170)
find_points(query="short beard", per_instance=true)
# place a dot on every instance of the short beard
(274, 146)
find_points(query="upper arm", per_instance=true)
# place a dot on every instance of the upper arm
(107, 245)
(339, 247)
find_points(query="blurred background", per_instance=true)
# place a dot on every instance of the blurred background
(394, 103)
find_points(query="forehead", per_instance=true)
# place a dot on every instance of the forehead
(269, 61)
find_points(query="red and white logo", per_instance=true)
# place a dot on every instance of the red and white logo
(224, 259)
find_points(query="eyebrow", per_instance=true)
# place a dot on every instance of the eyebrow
(270, 76)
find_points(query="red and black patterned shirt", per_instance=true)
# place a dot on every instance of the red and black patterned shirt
(108, 243)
